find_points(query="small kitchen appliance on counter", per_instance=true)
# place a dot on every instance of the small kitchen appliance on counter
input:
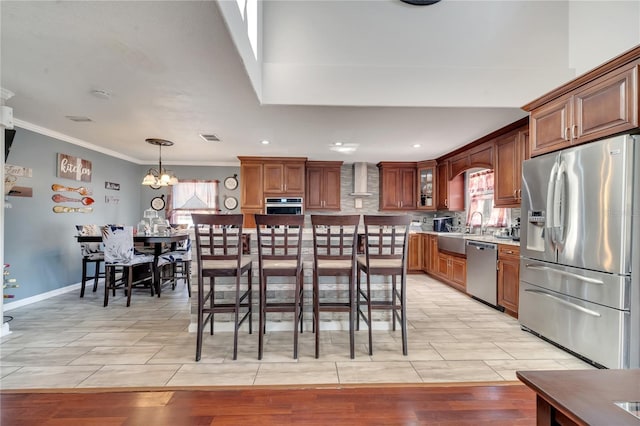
(440, 223)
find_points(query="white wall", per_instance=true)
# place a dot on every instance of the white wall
(601, 30)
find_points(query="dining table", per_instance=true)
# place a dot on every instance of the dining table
(158, 241)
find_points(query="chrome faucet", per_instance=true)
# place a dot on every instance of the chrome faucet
(481, 221)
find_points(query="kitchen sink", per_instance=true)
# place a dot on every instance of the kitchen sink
(452, 242)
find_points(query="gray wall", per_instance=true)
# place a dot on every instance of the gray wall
(199, 173)
(40, 244)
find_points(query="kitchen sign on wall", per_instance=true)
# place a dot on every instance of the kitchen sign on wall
(70, 167)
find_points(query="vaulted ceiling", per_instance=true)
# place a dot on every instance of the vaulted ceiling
(377, 75)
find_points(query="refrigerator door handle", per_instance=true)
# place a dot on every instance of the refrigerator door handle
(564, 302)
(551, 189)
(559, 204)
(564, 273)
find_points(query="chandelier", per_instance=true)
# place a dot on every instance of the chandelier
(159, 176)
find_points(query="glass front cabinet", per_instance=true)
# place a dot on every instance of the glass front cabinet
(427, 185)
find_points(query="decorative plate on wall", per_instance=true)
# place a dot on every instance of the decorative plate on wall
(231, 182)
(157, 203)
(230, 203)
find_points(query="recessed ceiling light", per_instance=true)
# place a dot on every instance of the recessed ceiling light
(338, 144)
(416, 145)
(264, 142)
(346, 148)
(102, 94)
(78, 118)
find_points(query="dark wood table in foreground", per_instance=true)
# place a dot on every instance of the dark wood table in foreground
(583, 397)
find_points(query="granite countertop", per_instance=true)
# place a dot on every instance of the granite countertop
(475, 237)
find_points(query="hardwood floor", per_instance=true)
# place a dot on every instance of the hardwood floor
(503, 404)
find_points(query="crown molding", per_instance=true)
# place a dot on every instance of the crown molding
(75, 141)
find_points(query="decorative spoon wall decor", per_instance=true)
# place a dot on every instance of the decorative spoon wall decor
(80, 190)
(86, 201)
(65, 209)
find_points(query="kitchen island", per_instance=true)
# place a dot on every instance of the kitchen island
(584, 397)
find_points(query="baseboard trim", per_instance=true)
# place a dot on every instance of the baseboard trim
(39, 297)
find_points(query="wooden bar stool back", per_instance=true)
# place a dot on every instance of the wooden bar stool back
(334, 255)
(280, 255)
(219, 254)
(386, 242)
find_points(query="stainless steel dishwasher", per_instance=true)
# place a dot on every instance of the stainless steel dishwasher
(482, 274)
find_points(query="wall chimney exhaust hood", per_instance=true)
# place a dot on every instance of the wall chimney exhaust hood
(360, 180)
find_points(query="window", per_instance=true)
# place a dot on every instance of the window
(481, 200)
(192, 196)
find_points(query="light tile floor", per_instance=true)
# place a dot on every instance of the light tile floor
(67, 342)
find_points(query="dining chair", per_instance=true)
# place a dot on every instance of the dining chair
(92, 253)
(218, 255)
(119, 252)
(177, 264)
(280, 255)
(334, 255)
(386, 242)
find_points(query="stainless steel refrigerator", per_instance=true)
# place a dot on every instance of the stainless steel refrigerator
(580, 250)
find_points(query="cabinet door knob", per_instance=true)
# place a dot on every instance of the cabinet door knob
(574, 131)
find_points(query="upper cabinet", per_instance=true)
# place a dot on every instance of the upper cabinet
(510, 151)
(480, 156)
(450, 192)
(268, 176)
(397, 185)
(600, 103)
(284, 177)
(323, 185)
(427, 185)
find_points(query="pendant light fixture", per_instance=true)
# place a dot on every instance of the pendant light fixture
(159, 177)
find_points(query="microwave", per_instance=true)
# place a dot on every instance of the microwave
(440, 223)
(288, 205)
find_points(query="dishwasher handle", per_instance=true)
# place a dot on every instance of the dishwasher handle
(481, 246)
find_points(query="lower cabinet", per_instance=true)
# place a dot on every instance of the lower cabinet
(414, 260)
(452, 269)
(508, 278)
(426, 252)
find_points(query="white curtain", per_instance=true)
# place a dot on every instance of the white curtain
(192, 196)
(481, 200)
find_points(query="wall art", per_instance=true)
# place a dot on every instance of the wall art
(70, 167)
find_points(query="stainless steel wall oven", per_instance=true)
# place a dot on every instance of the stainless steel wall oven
(288, 205)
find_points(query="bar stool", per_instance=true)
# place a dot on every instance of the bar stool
(219, 254)
(334, 254)
(280, 254)
(386, 241)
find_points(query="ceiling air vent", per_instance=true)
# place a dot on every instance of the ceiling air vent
(210, 138)
(78, 118)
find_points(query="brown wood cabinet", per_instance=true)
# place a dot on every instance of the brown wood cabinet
(414, 259)
(452, 269)
(427, 185)
(268, 176)
(323, 185)
(480, 156)
(508, 277)
(284, 177)
(450, 193)
(397, 185)
(510, 151)
(600, 107)
(251, 195)
(426, 252)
